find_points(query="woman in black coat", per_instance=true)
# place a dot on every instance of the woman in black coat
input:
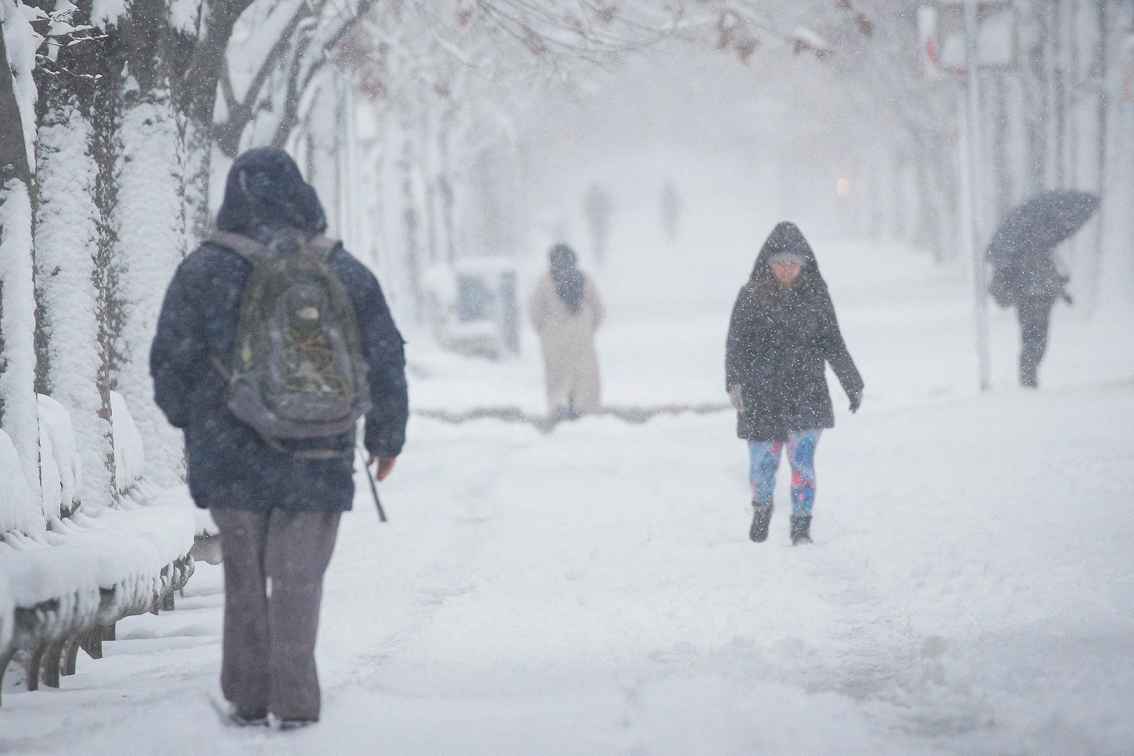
(782, 334)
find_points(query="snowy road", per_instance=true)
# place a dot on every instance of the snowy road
(593, 591)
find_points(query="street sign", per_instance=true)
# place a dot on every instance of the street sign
(941, 34)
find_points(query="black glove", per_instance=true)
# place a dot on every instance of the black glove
(855, 397)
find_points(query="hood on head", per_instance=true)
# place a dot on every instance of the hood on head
(785, 238)
(562, 257)
(569, 281)
(265, 189)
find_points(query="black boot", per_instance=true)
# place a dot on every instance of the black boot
(800, 529)
(761, 519)
(241, 717)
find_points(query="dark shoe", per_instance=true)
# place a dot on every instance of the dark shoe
(761, 519)
(800, 529)
(248, 717)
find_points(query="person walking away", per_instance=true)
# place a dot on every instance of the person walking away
(1032, 284)
(782, 334)
(272, 341)
(566, 311)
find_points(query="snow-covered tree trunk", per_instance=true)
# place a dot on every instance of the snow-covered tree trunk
(1053, 83)
(1117, 275)
(424, 148)
(197, 57)
(140, 152)
(446, 184)
(935, 191)
(374, 157)
(152, 240)
(1073, 78)
(67, 238)
(1037, 98)
(18, 416)
(411, 217)
(1001, 152)
(196, 179)
(317, 145)
(1097, 150)
(17, 326)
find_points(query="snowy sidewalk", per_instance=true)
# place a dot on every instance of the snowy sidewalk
(593, 591)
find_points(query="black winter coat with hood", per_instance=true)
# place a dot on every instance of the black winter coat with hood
(779, 342)
(230, 466)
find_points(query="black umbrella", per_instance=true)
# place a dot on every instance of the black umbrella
(1041, 223)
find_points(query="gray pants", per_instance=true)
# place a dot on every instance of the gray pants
(269, 633)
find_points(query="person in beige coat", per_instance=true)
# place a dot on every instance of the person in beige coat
(566, 311)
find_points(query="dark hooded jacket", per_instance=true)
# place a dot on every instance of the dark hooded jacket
(779, 343)
(229, 465)
(1033, 280)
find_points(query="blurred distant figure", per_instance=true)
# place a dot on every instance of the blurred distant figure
(1032, 286)
(598, 208)
(1025, 276)
(782, 335)
(671, 207)
(566, 311)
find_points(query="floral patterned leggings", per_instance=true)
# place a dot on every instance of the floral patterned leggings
(764, 461)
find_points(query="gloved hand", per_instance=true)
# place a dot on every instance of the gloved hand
(735, 398)
(855, 397)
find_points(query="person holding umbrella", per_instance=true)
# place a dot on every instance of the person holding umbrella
(1025, 275)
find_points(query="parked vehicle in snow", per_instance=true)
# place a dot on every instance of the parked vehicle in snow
(472, 308)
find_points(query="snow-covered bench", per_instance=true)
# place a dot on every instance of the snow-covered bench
(68, 575)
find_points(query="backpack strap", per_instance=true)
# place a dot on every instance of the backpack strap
(249, 249)
(323, 246)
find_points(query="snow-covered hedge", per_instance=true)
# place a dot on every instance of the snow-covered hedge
(18, 508)
(7, 610)
(41, 568)
(129, 456)
(85, 566)
(61, 467)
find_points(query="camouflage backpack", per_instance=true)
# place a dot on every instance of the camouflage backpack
(297, 369)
